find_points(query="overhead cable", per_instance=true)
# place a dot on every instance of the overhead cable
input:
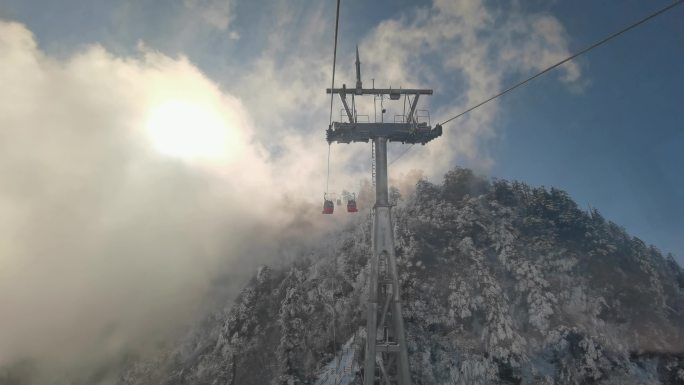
(567, 59)
(337, 24)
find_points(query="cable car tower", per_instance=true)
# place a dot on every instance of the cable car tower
(386, 338)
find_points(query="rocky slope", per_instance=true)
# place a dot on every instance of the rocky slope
(503, 284)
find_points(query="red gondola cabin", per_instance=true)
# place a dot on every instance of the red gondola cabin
(328, 206)
(351, 206)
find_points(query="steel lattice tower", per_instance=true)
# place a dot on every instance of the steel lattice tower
(386, 338)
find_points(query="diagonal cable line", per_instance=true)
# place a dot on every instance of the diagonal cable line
(552, 67)
(400, 155)
(567, 59)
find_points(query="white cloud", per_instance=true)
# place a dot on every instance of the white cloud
(467, 52)
(107, 244)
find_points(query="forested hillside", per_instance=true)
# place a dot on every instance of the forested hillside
(502, 283)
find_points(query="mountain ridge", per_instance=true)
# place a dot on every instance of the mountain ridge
(502, 283)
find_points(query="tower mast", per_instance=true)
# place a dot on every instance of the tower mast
(386, 337)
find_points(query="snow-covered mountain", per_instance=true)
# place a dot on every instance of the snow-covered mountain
(502, 284)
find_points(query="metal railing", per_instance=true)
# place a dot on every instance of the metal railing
(360, 118)
(421, 116)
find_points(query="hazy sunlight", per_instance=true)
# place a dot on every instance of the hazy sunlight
(190, 130)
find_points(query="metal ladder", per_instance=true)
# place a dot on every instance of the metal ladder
(373, 163)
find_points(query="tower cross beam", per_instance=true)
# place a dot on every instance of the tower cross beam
(379, 91)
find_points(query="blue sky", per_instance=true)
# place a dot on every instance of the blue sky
(612, 138)
(616, 145)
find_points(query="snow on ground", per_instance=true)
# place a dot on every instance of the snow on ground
(342, 369)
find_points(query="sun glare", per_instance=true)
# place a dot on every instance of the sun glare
(190, 130)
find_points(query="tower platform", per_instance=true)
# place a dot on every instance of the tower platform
(412, 133)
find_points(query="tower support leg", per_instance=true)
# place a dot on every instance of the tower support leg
(385, 274)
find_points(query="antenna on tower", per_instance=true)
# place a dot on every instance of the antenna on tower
(359, 85)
